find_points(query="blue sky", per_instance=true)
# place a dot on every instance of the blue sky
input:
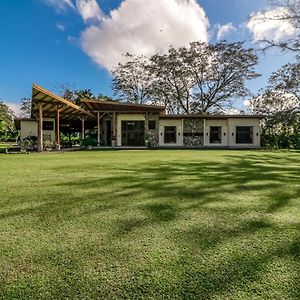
(53, 41)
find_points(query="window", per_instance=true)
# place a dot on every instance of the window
(170, 134)
(133, 133)
(151, 125)
(244, 134)
(48, 125)
(215, 136)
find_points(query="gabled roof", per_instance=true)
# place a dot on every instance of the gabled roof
(112, 106)
(51, 102)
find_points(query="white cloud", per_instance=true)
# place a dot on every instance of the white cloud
(144, 27)
(16, 108)
(225, 30)
(60, 27)
(246, 103)
(89, 10)
(60, 5)
(232, 111)
(268, 25)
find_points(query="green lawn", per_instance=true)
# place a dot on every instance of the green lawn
(150, 225)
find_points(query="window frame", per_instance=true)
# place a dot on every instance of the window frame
(244, 140)
(168, 133)
(50, 128)
(212, 134)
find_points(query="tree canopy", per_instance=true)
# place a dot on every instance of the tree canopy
(7, 128)
(25, 108)
(286, 12)
(199, 78)
(280, 102)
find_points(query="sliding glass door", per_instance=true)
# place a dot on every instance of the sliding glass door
(133, 133)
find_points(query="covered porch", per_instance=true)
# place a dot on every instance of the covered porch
(100, 123)
(55, 116)
(129, 123)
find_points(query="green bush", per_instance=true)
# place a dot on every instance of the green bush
(88, 141)
(281, 140)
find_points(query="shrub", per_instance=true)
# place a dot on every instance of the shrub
(88, 141)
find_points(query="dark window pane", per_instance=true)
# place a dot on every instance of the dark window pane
(170, 134)
(133, 133)
(244, 134)
(152, 125)
(48, 125)
(215, 136)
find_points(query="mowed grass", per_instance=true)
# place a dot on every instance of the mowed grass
(150, 225)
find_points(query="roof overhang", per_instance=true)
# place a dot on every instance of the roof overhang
(216, 117)
(112, 106)
(51, 103)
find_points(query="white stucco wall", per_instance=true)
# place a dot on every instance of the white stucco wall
(30, 128)
(255, 123)
(229, 132)
(224, 134)
(179, 132)
(126, 117)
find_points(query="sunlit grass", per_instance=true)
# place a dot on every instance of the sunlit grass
(150, 225)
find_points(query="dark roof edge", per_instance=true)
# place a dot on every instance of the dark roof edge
(122, 104)
(24, 119)
(166, 116)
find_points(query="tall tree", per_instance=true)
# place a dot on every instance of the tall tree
(7, 128)
(25, 108)
(200, 78)
(79, 95)
(66, 90)
(280, 102)
(282, 95)
(284, 11)
(171, 83)
(287, 78)
(131, 80)
(219, 73)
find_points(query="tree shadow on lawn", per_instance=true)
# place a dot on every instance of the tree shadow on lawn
(213, 220)
(172, 189)
(181, 185)
(166, 191)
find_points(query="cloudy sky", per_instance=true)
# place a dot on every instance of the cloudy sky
(79, 41)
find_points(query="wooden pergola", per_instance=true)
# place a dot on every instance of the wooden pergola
(48, 105)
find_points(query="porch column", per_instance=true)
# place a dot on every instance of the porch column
(98, 126)
(58, 128)
(114, 137)
(40, 129)
(146, 129)
(204, 132)
(82, 128)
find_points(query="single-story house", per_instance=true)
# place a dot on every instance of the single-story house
(117, 124)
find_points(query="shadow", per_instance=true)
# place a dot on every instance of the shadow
(220, 226)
